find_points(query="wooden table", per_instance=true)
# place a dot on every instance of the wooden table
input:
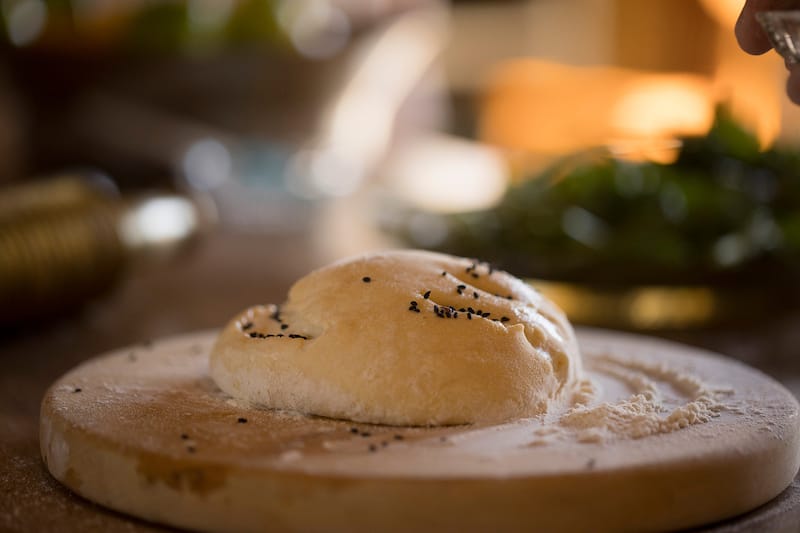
(202, 290)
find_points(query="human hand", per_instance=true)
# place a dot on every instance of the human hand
(753, 39)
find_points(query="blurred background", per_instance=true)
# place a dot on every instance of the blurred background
(168, 163)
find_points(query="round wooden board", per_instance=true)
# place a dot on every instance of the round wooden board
(145, 431)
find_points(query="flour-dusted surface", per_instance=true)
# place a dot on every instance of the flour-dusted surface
(669, 438)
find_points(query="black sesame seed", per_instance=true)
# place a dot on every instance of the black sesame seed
(246, 326)
(444, 273)
(353, 430)
(474, 275)
(462, 310)
(284, 326)
(253, 335)
(436, 309)
(366, 434)
(475, 295)
(373, 448)
(184, 436)
(241, 420)
(366, 279)
(504, 319)
(398, 437)
(486, 314)
(427, 295)
(279, 335)
(471, 310)
(455, 314)
(469, 316)
(77, 389)
(413, 303)
(509, 297)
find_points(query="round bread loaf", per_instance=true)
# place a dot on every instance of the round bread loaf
(403, 338)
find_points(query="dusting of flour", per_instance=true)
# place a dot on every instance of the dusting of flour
(662, 399)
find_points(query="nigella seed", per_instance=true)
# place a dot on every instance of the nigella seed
(462, 310)
(474, 275)
(436, 309)
(284, 326)
(509, 297)
(427, 295)
(296, 336)
(413, 303)
(444, 273)
(241, 420)
(471, 310)
(77, 389)
(184, 436)
(253, 335)
(504, 319)
(455, 314)
(469, 316)
(366, 279)
(475, 295)
(246, 326)
(354, 430)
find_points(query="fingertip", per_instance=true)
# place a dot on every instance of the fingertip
(749, 34)
(793, 85)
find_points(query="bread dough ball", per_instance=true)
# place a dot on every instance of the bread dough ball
(403, 338)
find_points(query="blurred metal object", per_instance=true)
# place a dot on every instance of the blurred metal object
(67, 239)
(783, 31)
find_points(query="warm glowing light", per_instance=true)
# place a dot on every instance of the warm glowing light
(657, 107)
(725, 12)
(546, 108)
(445, 174)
